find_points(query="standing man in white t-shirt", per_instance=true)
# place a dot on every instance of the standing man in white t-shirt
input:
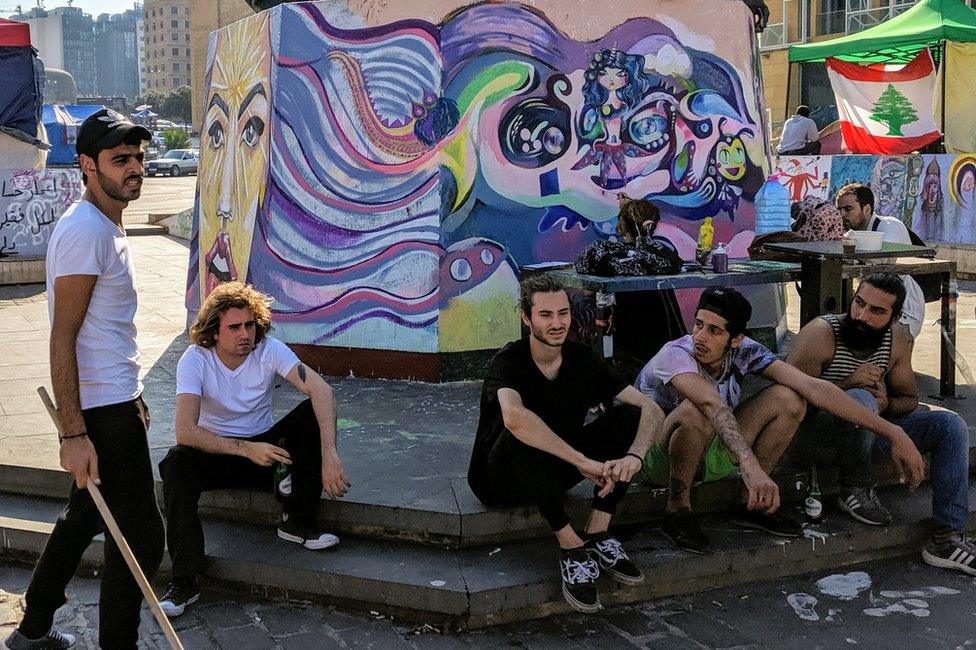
(92, 303)
(227, 438)
(856, 204)
(800, 135)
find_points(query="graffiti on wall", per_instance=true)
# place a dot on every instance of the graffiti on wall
(934, 195)
(413, 168)
(31, 201)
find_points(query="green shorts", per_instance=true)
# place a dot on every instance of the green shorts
(718, 464)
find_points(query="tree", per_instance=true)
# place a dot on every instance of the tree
(170, 104)
(175, 139)
(894, 110)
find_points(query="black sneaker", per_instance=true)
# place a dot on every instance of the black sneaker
(683, 529)
(952, 551)
(779, 523)
(180, 595)
(53, 640)
(864, 505)
(579, 572)
(308, 536)
(612, 558)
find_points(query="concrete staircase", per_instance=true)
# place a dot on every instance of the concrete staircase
(464, 566)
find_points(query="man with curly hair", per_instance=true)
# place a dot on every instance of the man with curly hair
(226, 436)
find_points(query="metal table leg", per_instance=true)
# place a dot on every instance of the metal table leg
(947, 372)
(822, 290)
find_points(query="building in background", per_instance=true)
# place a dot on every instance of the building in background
(804, 21)
(141, 46)
(167, 44)
(208, 17)
(117, 54)
(64, 39)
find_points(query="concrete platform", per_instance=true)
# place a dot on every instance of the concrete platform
(406, 447)
(480, 586)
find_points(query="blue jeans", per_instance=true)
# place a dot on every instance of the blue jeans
(941, 434)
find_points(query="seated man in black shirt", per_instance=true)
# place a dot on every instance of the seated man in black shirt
(532, 445)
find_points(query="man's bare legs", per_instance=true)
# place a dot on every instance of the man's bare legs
(689, 434)
(768, 421)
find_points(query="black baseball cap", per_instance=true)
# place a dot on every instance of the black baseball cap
(105, 129)
(730, 305)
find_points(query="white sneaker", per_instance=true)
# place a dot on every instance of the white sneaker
(307, 536)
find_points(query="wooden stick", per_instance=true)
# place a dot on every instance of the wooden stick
(113, 527)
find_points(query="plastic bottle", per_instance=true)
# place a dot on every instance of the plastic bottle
(772, 207)
(720, 259)
(705, 234)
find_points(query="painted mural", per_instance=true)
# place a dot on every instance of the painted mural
(413, 168)
(934, 195)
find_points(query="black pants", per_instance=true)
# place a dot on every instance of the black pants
(519, 474)
(119, 436)
(188, 472)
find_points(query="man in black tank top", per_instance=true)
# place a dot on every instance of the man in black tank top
(863, 354)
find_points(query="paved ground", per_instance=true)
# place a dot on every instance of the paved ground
(161, 194)
(896, 602)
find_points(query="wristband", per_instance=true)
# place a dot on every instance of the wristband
(83, 434)
(630, 453)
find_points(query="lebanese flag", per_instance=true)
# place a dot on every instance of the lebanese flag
(885, 109)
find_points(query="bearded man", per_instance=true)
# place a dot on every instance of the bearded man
(862, 353)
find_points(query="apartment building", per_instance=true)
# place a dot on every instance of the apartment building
(166, 42)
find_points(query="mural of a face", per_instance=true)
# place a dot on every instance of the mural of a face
(888, 183)
(234, 149)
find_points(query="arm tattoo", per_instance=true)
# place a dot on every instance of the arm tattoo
(301, 372)
(728, 430)
(676, 489)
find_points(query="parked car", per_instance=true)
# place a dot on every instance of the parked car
(175, 162)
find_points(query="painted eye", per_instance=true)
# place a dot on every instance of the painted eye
(252, 131)
(216, 133)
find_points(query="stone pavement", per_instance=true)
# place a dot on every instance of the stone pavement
(895, 603)
(161, 195)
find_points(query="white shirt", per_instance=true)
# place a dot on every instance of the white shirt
(234, 403)
(797, 131)
(86, 242)
(894, 231)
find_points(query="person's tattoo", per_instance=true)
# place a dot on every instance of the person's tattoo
(728, 430)
(301, 372)
(676, 489)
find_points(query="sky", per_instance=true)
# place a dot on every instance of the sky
(93, 7)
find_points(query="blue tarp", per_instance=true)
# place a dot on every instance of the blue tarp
(62, 122)
(22, 78)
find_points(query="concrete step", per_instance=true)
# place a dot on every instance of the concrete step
(144, 229)
(448, 515)
(485, 585)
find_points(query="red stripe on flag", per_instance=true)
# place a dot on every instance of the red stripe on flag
(860, 141)
(920, 67)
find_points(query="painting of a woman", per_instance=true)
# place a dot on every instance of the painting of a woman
(615, 84)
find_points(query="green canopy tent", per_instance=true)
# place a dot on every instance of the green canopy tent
(928, 24)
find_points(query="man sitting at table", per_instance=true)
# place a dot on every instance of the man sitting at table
(696, 381)
(861, 353)
(533, 443)
(856, 204)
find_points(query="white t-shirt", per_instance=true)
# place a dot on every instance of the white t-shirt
(894, 231)
(86, 242)
(797, 131)
(234, 403)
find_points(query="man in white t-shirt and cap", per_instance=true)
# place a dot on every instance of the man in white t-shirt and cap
(800, 135)
(92, 303)
(227, 438)
(856, 204)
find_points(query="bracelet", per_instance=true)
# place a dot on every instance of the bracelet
(630, 453)
(83, 434)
